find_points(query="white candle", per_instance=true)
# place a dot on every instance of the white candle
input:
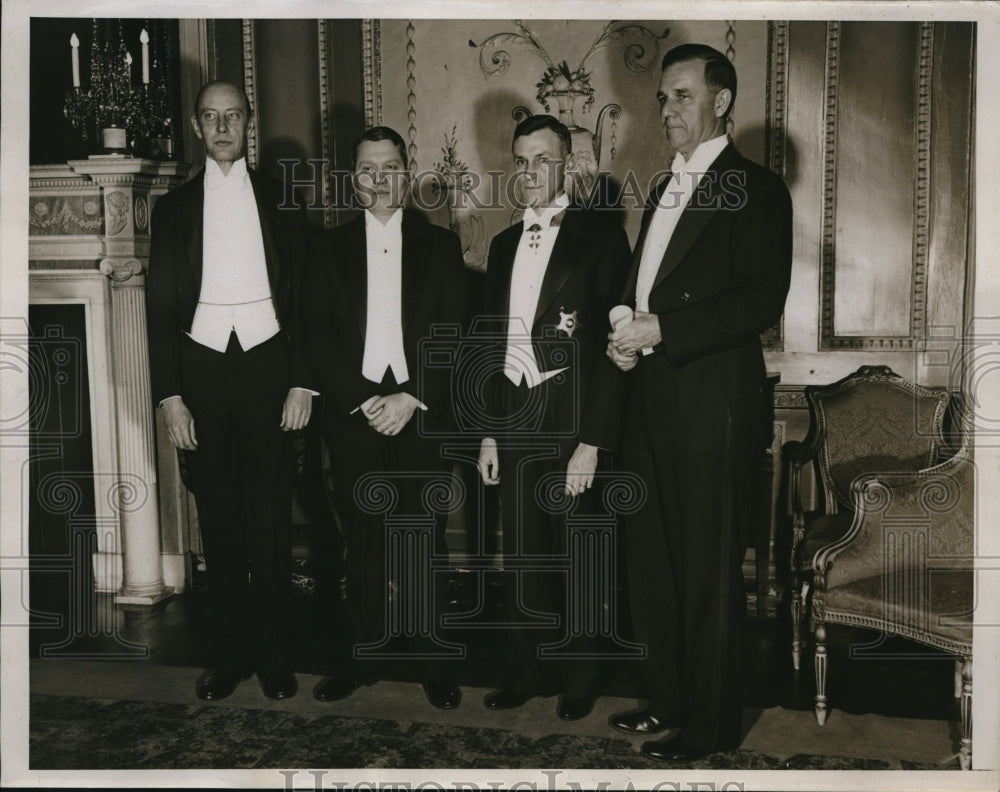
(74, 44)
(128, 65)
(144, 38)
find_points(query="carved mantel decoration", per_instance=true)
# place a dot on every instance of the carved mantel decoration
(565, 86)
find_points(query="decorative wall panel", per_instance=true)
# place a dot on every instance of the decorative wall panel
(451, 88)
(876, 160)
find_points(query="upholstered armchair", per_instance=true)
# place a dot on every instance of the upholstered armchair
(871, 421)
(905, 567)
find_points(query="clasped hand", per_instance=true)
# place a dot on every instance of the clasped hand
(625, 343)
(388, 415)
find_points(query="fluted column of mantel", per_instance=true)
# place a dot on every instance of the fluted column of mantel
(137, 500)
(129, 186)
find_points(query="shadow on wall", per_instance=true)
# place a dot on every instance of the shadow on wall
(749, 139)
(494, 126)
(348, 125)
(753, 138)
(493, 133)
(285, 159)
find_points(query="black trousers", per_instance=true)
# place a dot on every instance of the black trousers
(694, 441)
(392, 495)
(241, 476)
(534, 450)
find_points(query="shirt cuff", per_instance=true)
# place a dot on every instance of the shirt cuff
(364, 405)
(164, 401)
(310, 391)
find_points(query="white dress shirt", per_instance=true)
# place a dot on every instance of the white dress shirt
(530, 263)
(384, 322)
(235, 291)
(384, 304)
(684, 180)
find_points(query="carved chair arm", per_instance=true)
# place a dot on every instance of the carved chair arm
(798, 451)
(863, 541)
(938, 499)
(797, 454)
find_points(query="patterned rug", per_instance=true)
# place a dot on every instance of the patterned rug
(71, 733)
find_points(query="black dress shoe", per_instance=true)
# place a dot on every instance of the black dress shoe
(443, 695)
(277, 684)
(505, 699)
(672, 750)
(638, 722)
(571, 708)
(335, 688)
(219, 683)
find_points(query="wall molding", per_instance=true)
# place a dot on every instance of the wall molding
(325, 120)
(922, 181)
(371, 65)
(250, 86)
(731, 55)
(776, 96)
(776, 133)
(790, 397)
(411, 95)
(829, 230)
(828, 340)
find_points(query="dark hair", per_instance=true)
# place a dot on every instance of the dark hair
(537, 122)
(719, 71)
(376, 134)
(215, 84)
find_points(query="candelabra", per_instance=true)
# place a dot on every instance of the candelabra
(112, 103)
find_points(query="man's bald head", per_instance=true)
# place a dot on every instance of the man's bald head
(220, 83)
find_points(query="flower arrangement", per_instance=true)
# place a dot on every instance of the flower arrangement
(560, 80)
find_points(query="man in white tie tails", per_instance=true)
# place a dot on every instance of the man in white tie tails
(375, 288)
(551, 279)
(227, 373)
(710, 273)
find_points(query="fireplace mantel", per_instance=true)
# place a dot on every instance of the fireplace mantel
(88, 243)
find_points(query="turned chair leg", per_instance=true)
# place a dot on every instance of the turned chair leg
(820, 665)
(965, 751)
(798, 603)
(958, 676)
